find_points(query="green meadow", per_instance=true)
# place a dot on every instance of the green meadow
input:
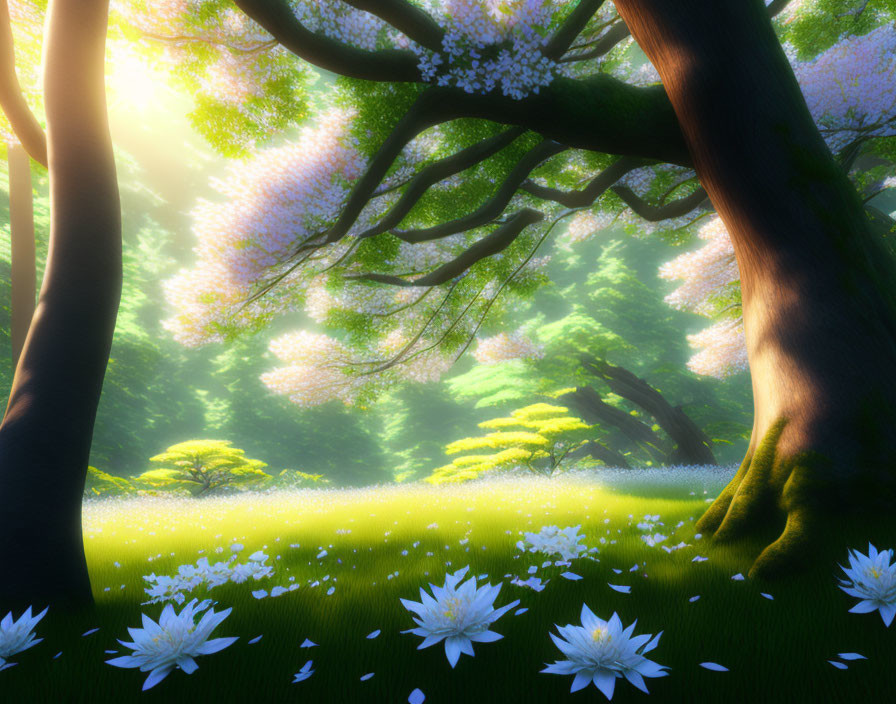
(384, 543)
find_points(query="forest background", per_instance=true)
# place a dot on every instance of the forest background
(604, 298)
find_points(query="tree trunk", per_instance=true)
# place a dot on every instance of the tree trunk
(21, 226)
(588, 404)
(818, 295)
(692, 446)
(46, 434)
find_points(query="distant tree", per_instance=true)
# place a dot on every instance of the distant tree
(295, 479)
(538, 437)
(203, 467)
(100, 483)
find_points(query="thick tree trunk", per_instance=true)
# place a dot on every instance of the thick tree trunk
(21, 225)
(818, 287)
(46, 434)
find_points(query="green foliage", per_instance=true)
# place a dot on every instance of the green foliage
(203, 467)
(537, 437)
(294, 479)
(100, 483)
(606, 302)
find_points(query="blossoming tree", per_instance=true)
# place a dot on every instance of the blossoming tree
(461, 133)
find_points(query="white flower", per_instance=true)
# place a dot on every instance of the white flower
(236, 547)
(551, 540)
(461, 615)
(872, 578)
(173, 642)
(601, 651)
(16, 636)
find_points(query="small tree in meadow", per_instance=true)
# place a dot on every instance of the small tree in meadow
(100, 483)
(202, 467)
(538, 437)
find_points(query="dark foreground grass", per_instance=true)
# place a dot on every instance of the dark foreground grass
(776, 650)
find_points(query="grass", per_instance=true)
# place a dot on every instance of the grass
(775, 650)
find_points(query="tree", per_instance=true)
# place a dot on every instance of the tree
(538, 437)
(25, 139)
(100, 483)
(814, 278)
(45, 434)
(203, 467)
(353, 205)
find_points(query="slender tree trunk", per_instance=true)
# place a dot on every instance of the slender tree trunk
(818, 287)
(46, 434)
(21, 225)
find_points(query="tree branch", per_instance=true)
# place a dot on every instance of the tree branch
(491, 208)
(23, 122)
(491, 244)
(571, 28)
(278, 19)
(603, 45)
(655, 213)
(429, 109)
(191, 39)
(586, 196)
(438, 171)
(406, 18)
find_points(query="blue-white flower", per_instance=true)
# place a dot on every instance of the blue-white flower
(461, 615)
(173, 642)
(16, 636)
(551, 540)
(601, 651)
(872, 578)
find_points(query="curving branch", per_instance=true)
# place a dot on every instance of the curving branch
(494, 242)
(277, 17)
(603, 45)
(23, 122)
(493, 207)
(655, 213)
(571, 28)
(596, 188)
(194, 39)
(405, 17)
(438, 171)
(429, 109)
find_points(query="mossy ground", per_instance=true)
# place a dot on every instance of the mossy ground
(776, 650)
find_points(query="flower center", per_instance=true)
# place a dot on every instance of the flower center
(452, 608)
(600, 635)
(873, 572)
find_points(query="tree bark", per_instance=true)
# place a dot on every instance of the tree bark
(46, 434)
(818, 297)
(21, 225)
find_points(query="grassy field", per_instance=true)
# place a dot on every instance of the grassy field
(385, 543)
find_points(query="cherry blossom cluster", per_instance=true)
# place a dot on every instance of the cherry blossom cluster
(491, 44)
(851, 88)
(708, 272)
(274, 203)
(722, 349)
(340, 21)
(318, 368)
(503, 347)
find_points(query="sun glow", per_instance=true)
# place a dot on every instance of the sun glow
(133, 83)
